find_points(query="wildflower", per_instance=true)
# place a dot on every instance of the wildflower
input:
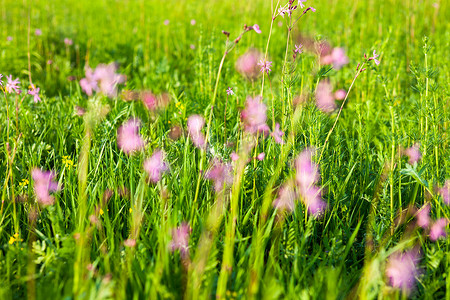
(180, 239)
(130, 243)
(413, 154)
(261, 156)
(324, 97)
(423, 216)
(230, 91)
(374, 58)
(339, 58)
(445, 192)
(286, 197)
(437, 230)
(195, 124)
(307, 175)
(1, 82)
(247, 64)
(193, 22)
(221, 174)
(300, 3)
(340, 94)
(101, 212)
(108, 79)
(254, 116)
(89, 83)
(402, 270)
(38, 32)
(12, 85)
(155, 166)
(128, 138)
(14, 238)
(265, 66)
(256, 28)
(35, 93)
(43, 185)
(166, 22)
(24, 182)
(234, 156)
(9, 38)
(149, 100)
(192, 46)
(68, 163)
(277, 134)
(68, 42)
(298, 49)
(309, 8)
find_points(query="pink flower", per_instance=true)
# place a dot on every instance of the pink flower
(261, 156)
(108, 79)
(254, 116)
(35, 93)
(277, 134)
(1, 82)
(180, 239)
(12, 85)
(402, 270)
(374, 58)
(256, 28)
(68, 42)
(339, 58)
(221, 173)
(423, 216)
(43, 185)
(445, 192)
(130, 243)
(340, 94)
(324, 97)
(286, 197)
(195, 124)
(247, 64)
(89, 83)
(230, 91)
(149, 100)
(413, 154)
(193, 22)
(234, 156)
(166, 22)
(300, 3)
(298, 48)
(265, 66)
(38, 32)
(437, 230)
(128, 138)
(155, 166)
(9, 38)
(306, 178)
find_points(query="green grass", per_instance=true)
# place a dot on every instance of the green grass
(367, 183)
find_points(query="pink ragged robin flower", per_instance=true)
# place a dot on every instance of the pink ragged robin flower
(12, 85)
(1, 82)
(324, 97)
(256, 28)
(247, 64)
(108, 79)
(306, 178)
(402, 270)
(254, 116)
(155, 166)
(298, 49)
(195, 124)
(35, 93)
(166, 22)
(68, 42)
(437, 230)
(180, 239)
(230, 91)
(374, 58)
(89, 83)
(340, 94)
(221, 174)
(300, 3)
(261, 156)
(38, 32)
(277, 134)
(413, 154)
(128, 138)
(43, 185)
(130, 243)
(423, 216)
(234, 156)
(286, 198)
(265, 66)
(445, 192)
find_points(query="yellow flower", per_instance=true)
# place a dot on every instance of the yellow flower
(68, 163)
(11, 240)
(24, 182)
(131, 210)
(101, 212)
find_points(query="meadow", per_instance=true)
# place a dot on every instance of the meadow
(227, 149)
